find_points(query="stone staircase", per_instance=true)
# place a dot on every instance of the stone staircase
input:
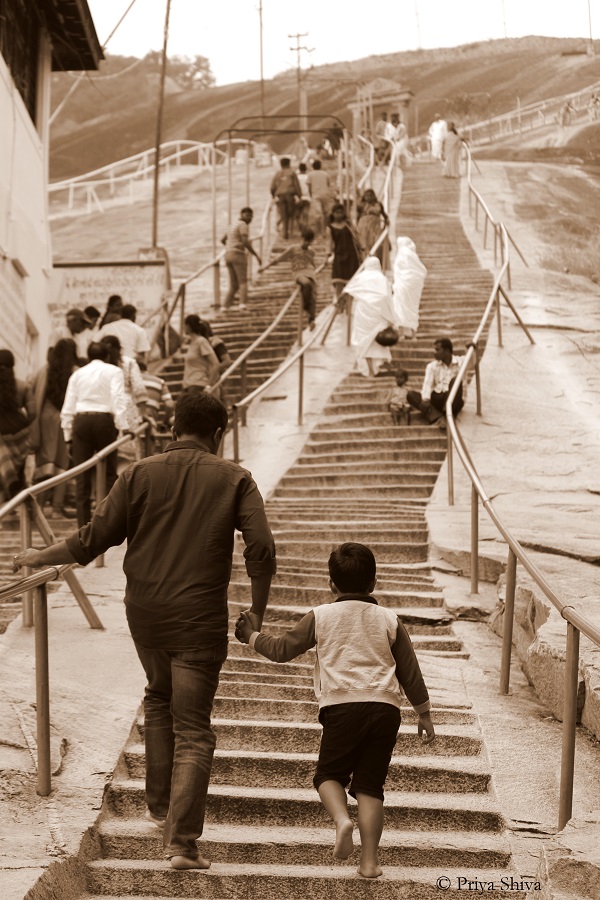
(239, 328)
(357, 478)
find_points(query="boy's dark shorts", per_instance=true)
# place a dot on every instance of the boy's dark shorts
(356, 746)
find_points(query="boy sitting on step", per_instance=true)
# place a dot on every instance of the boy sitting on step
(398, 404)
(364, 658)
(302, 258)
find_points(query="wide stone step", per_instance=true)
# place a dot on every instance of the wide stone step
(389, 453)
(293, 770)
(300, 596)
(272, 806)
(282, 617)
(418, 467)
(298, 710)
(352, 436)
(257, 882)
(134, 838)
(363, 489)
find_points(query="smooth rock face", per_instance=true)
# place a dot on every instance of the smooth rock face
(569, 867)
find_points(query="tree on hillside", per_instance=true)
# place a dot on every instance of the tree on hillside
(189, 72)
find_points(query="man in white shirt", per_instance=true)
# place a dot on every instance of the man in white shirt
(95, 407)
(133, 339)
(438, 381)
(76, 328)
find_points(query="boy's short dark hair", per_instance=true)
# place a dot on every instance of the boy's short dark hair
(352, 568)
(317, 165)
(401, 373)
(308, 234)
(302, 168)
(129, 312)
(199, 413)
(445, 344)
(246, 209)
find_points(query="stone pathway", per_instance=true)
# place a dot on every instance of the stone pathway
(357, 478)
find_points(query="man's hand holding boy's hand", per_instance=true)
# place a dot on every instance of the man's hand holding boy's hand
(426, 725)
(244, 627)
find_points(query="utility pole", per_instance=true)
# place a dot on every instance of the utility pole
(591, 51)
(262, 77)
(302, 111)
(159, 117)
(418, 25)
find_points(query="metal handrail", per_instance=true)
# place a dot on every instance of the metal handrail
(242, 405)
(576, 622)
(37, 584)
(32, 514)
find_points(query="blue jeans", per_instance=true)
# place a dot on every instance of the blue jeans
(180, 743)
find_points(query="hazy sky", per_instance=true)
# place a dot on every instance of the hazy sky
(227, 31)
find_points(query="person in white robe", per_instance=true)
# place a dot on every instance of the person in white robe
(437, 134)
(409, 278)
(373, 311)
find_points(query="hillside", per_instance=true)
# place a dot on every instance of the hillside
(481, 79)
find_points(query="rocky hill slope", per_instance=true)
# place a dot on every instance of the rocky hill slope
(108, 119)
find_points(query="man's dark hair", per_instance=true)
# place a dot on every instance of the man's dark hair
(302, 168)
(92, 313)
(98, 350)
(285, 162)
(317, 165)
(445, 344)
(115, 301)
(308, 234)
(128, 312)
(246, 209)
(199, 413)
(196, 325)
(352, 568)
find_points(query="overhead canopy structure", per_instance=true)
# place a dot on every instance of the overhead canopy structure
(375, 97)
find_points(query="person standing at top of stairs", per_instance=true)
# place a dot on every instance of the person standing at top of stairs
(359, 645)
(237, 246)
(285, 187)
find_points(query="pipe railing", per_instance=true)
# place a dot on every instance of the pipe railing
(36, 585)
(577, 624)
(240, 408)
(31, 514)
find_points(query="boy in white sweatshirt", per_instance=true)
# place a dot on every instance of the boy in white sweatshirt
(364, 658)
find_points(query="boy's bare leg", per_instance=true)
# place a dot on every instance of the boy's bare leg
(370, 825)
(333, 798)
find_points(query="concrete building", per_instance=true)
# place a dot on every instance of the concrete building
(37, 37)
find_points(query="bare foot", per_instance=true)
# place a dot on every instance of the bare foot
(185, 862)
(343, 840)
(369, 871)
(155, 820)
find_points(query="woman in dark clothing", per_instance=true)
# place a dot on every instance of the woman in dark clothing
(346, 248)
(16, 413)
(46, 438)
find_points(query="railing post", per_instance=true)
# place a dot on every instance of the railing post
(42, 691)
(100, 495)
(485, 227)
(476, 213)
(567, 764)
(477, 381)
(499, 319)
(509, 618)
(217, 284)
(474, 540)
(300, 389)
(495, 245)
(244, 386)
(25, 528)
(300, 317)
(450, 462)
(236, 436)
(182, 317)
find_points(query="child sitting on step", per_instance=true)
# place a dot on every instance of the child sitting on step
(302, 258)
(398, 403)
(364, 658)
